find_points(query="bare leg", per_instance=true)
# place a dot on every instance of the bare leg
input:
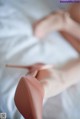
(74, 29)
(59, 21)
(74, 11)
(61, 79)
(53, 22)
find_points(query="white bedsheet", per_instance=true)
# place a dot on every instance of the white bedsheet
(19, 46)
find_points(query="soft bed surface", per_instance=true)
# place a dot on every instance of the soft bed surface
(19, 46)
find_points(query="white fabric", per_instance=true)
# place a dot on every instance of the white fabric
(19, 46)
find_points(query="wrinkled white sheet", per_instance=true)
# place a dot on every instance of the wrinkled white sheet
(19, 46)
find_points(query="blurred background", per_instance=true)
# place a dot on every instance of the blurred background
(18, 45)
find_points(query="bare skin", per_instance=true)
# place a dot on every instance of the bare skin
(58, 21)
(74, 11)
(69, 74)
(54, 81)
(53, 22)
(61, 79)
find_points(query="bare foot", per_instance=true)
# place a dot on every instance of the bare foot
(54, 22)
